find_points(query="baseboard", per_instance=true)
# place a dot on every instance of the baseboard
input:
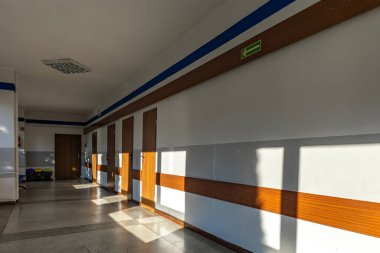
(134, 201)
(14, 202)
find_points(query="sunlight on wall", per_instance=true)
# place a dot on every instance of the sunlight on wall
(3, 129)
(271, 227)
(173, 162)
(137, 185)
(171, 198)
(84, 186)
(270, 166)
(100, 159)
(118, 179)
(119, 160)
(108, 200)
(101, 178)
(348, 171)
(309, 234)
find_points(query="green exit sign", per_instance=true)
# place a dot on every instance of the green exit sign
(250, 50)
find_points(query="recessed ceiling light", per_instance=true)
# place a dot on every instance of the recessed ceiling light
(67, 66)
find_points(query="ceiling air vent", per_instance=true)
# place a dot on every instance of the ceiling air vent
(67, 66)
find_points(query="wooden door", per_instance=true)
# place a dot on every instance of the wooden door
(127, 149)
(111, 157)
(94, 156)
(60, 166)
(148, 173)
(67, 156)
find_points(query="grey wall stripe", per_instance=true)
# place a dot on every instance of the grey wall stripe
(237, 162)
(40, 159)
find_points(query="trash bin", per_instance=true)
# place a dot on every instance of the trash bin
(47, 174)
(30, 174)
(39, 174)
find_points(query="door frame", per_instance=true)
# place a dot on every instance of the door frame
(94, 155)
(111, 168)
(127, 157)
(149, 153)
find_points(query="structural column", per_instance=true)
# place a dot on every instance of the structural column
(8, 138)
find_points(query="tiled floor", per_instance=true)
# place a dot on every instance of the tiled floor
(77, 216)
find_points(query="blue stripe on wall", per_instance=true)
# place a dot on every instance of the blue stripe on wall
(7, 86)
(262, 13)
(52, 122)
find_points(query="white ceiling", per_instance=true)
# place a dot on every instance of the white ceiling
(115, 38)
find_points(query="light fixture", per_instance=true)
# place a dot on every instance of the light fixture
(67, 66)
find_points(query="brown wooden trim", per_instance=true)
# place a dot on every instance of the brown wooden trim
(94, 155)
(117, 171)
(102, 168)
(136, 174)
(353, 215)
(171, 181)
(312, 20)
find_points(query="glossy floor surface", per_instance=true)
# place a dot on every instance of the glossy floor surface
(77, 216)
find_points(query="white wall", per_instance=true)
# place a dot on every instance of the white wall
(212, 25)
(21, 147)
(8, 146)
(272, 123)
(86, 158)
(54, 116)
(41, 137)
(319, 87)
(40, 143)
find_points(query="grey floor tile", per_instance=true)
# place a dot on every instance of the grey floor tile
(80, 217)
(5, 213)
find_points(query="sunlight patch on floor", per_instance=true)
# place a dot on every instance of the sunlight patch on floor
(140, 231)
(151, 219)
(84, 186)
(143, 233)
(120, 216)
(108, 200)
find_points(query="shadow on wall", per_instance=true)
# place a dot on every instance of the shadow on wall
(216, 176)
(204, 204)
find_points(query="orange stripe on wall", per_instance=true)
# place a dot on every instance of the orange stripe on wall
(352, 215)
